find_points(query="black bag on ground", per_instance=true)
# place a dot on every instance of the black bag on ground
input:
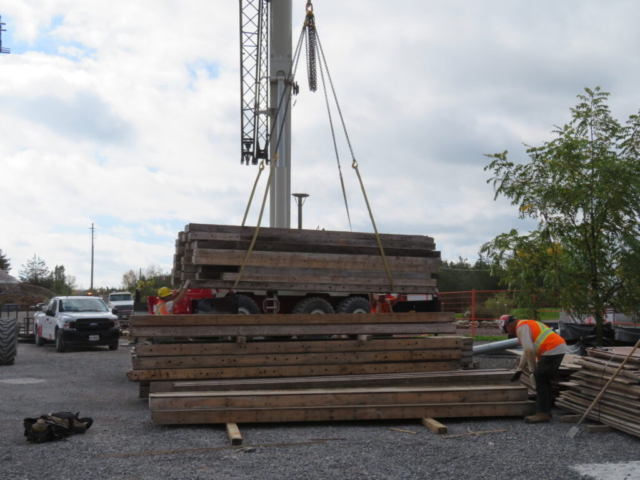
(55, 426)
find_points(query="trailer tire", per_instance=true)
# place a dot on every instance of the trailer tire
(354, 305)
(247, 306)
(313, 305)
(8, 341)
(60, 346)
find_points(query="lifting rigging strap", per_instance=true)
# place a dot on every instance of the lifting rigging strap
(314, 47)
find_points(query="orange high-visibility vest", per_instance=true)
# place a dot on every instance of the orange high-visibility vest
(543, 337)
(162, 308)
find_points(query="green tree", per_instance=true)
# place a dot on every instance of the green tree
(148, 282)
(583, 188)
(36, 272)
(60, 282)
(462, 276)
(5, 264)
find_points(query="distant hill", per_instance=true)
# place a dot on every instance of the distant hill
(25, 294)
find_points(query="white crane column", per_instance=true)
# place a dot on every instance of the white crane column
(280, 45)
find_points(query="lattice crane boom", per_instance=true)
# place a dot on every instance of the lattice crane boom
(254, 80)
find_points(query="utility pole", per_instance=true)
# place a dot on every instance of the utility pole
(92, 237)
(280, 45)
(2, 49)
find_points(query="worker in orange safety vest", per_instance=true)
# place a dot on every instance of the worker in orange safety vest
(167, 299)
(383, 303)
(543, 353)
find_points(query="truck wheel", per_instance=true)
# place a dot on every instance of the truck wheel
(247, 306)
(60, 347)
(114, 346)
(8, 341)
(354, 305)
(315, 305)
(37, 339)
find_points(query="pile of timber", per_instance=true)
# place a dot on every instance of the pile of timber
(285, 358)
(278, 370)
(479, 393)
(304, 260)
(619, 406)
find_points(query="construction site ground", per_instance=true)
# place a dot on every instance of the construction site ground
(123, 443)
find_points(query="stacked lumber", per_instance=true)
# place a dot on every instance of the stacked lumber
(569, 366)
(365, 397)
(285, 357)
(619, 406)
(304, 260)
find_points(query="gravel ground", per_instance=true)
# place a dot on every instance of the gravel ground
(124, 444)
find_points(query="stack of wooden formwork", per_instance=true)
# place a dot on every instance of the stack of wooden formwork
(304, 260)
(619, 406)
(204, 380)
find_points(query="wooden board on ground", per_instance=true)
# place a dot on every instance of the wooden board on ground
(333, 413)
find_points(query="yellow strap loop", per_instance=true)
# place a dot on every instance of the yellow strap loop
(375, 228)
(255, 234)
(246, 212)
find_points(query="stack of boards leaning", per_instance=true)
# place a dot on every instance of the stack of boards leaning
(619, 406)
(300, 367)
(304, 260)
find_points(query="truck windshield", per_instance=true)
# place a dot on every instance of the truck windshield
(120, 297)
(83, 305)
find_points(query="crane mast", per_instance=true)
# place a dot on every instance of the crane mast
(266, 60)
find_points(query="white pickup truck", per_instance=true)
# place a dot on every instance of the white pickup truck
(122, 301)
(76, 321)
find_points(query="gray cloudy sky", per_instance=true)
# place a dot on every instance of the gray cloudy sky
(126, 115)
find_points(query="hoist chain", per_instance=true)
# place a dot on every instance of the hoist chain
(311, 35)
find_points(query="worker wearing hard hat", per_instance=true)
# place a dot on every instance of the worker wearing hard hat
(543, 353)
(167, 299)
(383, 303)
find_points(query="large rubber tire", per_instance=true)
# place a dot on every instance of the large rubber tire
(247, 306)
(114, 346)
(8, 341)
(60, 346)
(37, 339)
(354, 305)
(313, 305)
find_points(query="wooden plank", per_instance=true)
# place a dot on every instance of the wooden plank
(290, 330)
(314, 414)
(307, 279)
(287, 371)
(457, 377)
(294, 346)
(245, 286)
(302, 260)
(599, 428)
(201, 361)
(306, 238)
(265, 246)
(424, 274)
(570, 418)
(340, 397)
(434, 426)
(289, 233)
(290, 319)
(233, 432)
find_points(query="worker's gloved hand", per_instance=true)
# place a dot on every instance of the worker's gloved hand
(516, 376)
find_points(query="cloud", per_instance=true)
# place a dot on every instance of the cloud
(128, 118)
